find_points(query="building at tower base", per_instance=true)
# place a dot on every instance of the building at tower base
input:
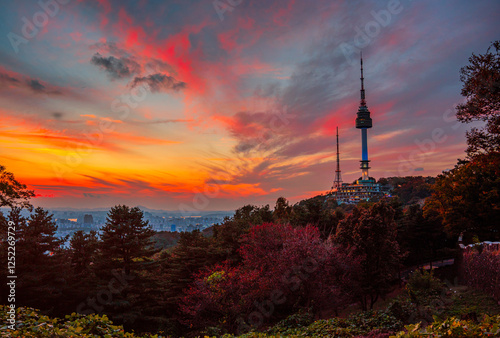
(361, 190)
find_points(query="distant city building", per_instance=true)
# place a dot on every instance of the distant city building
(88, 219)
(365, 187)
(173, 228)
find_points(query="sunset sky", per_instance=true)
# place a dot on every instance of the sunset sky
(177, 103)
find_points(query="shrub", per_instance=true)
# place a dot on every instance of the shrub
(482, 270)
(403, 309)
(423, 285)
(454, 328)
(297, 320)
(30, 323)
(370, 324)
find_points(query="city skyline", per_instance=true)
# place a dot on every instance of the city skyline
(190, 105)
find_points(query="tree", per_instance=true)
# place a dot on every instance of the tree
(284, 269)
(481, 79)
(40, 259)
(282, 210)
(421, 237)
(370, 234)
(12, 192)
(467, 198)
(411, 189)
(323, 214)
(226, 236)
(126, 238)
(254, 215)
(192, 253)
(126, 250)
(83, 248)
(37, 238)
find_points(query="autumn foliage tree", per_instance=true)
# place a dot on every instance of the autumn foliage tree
(371, 234)
(467, 197)
(283, 269)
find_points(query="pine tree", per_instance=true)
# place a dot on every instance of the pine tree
(83, 248)
(192, 253)
(41, 263)
(126, 253)
(126, 239)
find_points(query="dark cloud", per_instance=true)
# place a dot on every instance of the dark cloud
(109, 48)
(159, 82)
(57, 115)
(7, 79)
(91, 195)
(159, 121)
(117, 68)
(36, 86)
(156, 66)
(32, 84)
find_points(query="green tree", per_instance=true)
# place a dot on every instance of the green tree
(40, 260)
(422, 238)
(125, 253)
(37, 237)
(316, 211)
(481, 79)
(371, 234)
(193, 253)
(12, 192)
(126, 239)
(83, 248)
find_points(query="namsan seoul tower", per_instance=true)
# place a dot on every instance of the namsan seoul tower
(365, 187)
(363, 122)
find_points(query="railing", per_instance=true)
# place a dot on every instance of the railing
(486, 245)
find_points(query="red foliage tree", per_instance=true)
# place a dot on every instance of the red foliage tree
(283, 269)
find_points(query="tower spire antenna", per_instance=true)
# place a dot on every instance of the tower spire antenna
(363, 101)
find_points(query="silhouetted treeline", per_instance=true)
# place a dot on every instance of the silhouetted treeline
(141, 279)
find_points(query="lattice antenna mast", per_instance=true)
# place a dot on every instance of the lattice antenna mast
(337, 183)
